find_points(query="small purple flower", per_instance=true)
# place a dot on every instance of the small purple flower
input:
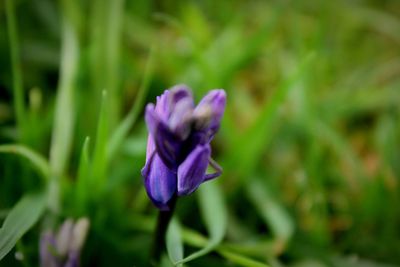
(178, 145)
(63, 249)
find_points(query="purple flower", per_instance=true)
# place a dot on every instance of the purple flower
(63, 249)
(178, 145)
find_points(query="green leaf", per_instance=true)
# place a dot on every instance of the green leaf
(64, 116)
(197, 240)
(240, 259)
(37, 160)
(271, 210)
(174, 241)
(82, 184)
(213, 211)
(123, 128)
(100, 162)
(18, 89)
(20, 219)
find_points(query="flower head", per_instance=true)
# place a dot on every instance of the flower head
(178, 146)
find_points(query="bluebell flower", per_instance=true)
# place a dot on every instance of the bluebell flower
(63, 248)
(178, 146)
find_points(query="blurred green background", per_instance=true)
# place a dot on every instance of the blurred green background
(310, 141)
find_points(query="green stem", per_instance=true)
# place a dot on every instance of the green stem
(164, 218)
(15, 64)
(64, 114)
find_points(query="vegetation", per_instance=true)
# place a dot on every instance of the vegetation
(309, 144)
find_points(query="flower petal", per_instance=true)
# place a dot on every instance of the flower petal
(191, 172)
(151, 147)
(79, 234)
(178, 93)
(162, 107)
(47, 250)
(152, 118)
(209, 111)
(180, 121)
(72, 259)
(63, 238)
(166, 102)
(160, 182)
(166, 143)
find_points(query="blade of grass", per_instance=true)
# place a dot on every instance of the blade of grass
(20, 219)
(105, 37)
(378, 20)
(254, 140)
(195, 239)
(114, 16)
(37, 160)
(63, 126)
(223, 62)
(82, 185)
(16, 66)
(123, 128)
(240, 259)
(97, 45)
(270, 209)
(261, 248)
(64, 105)
(213, 211)
(174, 242)
(325, 134)
(100, 162)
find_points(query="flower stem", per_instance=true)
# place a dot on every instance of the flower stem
(164, 217)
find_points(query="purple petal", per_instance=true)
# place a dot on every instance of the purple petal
(47, 248)
(79, 234)
(73, 259)
(163, 107)
(64, 236)
(160, 182)
(180, 121)
(166, 143)
(209, 111)
(178, 93)
(152, 118)
(151, 147)
(191, 172)
(166, 102)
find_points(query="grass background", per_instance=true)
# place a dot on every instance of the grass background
(310, 141)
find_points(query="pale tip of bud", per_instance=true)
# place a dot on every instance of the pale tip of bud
(79, 233)
(63, 237)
